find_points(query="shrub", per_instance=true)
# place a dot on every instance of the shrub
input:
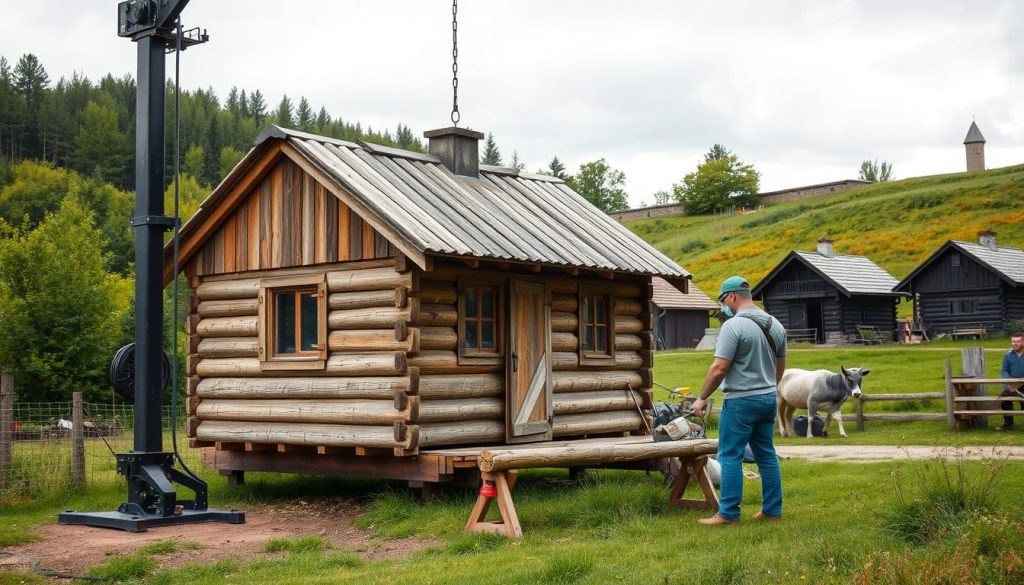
(940, 498)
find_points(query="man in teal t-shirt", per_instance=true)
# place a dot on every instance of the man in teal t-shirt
(750, 357)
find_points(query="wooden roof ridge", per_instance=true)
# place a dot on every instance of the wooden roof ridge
(415, 202)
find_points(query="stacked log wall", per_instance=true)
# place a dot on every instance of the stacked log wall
(459, 403)
(465, 403)
(365, 396)
(594, 400)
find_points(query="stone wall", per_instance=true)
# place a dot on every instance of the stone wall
(767, 197)
(810, 191)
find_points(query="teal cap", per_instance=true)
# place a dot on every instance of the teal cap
(733, 284)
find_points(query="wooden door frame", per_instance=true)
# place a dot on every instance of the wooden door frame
(511, 389)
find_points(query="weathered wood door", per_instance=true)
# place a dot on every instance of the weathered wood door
(529, 399)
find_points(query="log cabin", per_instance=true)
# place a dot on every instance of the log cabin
(827, 296)
(680, 319)
(977, 286)
(357, 307)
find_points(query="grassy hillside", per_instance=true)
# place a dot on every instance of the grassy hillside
(896, 224)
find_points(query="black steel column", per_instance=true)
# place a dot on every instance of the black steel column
(149, 198)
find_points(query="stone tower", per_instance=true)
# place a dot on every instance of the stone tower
(975, 146)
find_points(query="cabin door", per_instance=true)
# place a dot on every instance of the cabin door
(529, 412)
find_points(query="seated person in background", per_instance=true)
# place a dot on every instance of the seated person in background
(1013, 367)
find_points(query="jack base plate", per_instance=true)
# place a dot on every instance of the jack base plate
(142, 522)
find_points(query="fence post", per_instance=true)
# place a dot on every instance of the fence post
(950, 405)
(974, 365)
(860, 413)
(77, 440)
(6, 423)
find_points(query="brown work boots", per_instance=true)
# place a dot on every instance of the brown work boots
(719, 520)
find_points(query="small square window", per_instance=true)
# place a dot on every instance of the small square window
(954, 260)
(293, 323)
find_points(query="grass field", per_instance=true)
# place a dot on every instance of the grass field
(896, 224)
(616, 527)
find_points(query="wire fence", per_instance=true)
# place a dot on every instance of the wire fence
(44, 453)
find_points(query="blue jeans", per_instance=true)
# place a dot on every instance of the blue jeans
(748, 420)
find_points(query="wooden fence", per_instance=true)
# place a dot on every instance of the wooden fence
(862, 418)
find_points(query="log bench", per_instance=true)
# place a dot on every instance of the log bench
(973, 331)
(498, 468)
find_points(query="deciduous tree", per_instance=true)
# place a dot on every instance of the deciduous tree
(720, 182)
(601, 185)
(872, 171)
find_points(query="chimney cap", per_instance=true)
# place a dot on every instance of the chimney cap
(985, 233)
(453, 130)
(825, 239)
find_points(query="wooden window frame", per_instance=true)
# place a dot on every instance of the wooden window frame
(477, 356)
(308, 360)
(594, 357)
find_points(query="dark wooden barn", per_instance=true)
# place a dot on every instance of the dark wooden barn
(966, 285)
(679, 318)
(830, 294)
(356, 306)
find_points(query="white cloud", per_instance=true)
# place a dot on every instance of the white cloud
(804, 90)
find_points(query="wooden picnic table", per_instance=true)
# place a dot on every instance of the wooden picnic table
(964, 395)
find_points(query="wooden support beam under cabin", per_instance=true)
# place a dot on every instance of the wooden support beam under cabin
(332, 435)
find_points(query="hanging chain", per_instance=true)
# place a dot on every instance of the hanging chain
(455, 63)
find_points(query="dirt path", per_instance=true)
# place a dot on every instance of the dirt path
(873, 453)
(73, 549)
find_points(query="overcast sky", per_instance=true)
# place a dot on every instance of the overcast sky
(803, 90)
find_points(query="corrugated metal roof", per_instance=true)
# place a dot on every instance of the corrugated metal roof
(667, 296)
(974, 134)
(1008, 261)
(853, 274)
(504, 215)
